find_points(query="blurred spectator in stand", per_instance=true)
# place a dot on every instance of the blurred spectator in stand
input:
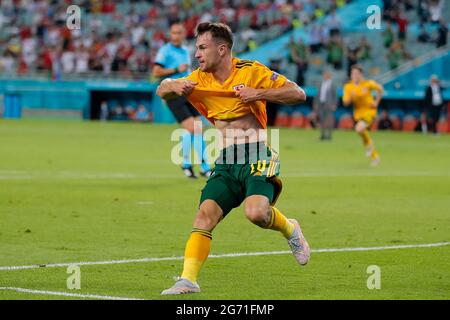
(190, 24)
(53, 35)
(29, 48)
(409, 4)
(433, 103)
(142, 115)
(442, 34)
(333, 23)
(81, 60)
(435, 8)
(388, 35)
(108, 6)
(137, 34)
(315, 38)
(405, 54)
(247, 34)
(119, 113)
(402, 24)
(95, 63)
(422, 10)
(365, 49)
(388, 8)
(173, 15)
(7, 64)
(3, 20)
(68, 60)
(318, 12)
(124, 52)
(104, 112)
(325, 36)
(352, 56)
(55, 56)
(325, 105)
(139, 61)
(423, 36)
(299, 54)
(130, 112)
(45, 29)
(252, 45)
(394, 56)
(335, 53)
(385, 122)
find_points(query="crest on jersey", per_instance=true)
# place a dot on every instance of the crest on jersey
(274, 76)
(238, 87)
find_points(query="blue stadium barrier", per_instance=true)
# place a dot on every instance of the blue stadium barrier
(75, 96)
(161, 113)
(341, 112)
(12, 106)
(418, 78)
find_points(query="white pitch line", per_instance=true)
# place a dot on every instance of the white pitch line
(225, 255)
(66, 294)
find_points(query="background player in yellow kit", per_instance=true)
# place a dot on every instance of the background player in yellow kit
(359, 93)
(232, 94)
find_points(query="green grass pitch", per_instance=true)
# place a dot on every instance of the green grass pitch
(84, 191)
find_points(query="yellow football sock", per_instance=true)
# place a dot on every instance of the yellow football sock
(196, 252)
(280, 223)
(374, 154)
(366, 137)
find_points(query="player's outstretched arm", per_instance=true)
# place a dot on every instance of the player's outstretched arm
(289, 93)
(170, 88)
(159, 71)
(346, 102)
(347, 96)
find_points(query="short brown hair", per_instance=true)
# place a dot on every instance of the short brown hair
(219, 31)
(357, 67)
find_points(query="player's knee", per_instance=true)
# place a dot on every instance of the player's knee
(208, 216)
(359, 128)
(257, 213)
(205, 220)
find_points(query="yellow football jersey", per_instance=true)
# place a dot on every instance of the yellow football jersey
(362, 98)
(219, 102)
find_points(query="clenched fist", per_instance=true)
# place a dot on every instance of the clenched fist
(247, 94)
(183, 87)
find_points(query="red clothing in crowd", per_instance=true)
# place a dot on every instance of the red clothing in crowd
(108, 7)
(402, 24)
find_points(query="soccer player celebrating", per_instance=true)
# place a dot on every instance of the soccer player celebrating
(358, 92)
(232, 94)
(173, 61)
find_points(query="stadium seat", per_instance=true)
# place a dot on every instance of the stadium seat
(374, 126)
(297, 120)
(396, 122)
(282, 119)
(409, 123)
(346, 122)
(306, 122)
(442, 126)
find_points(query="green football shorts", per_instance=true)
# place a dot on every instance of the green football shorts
(243, 170)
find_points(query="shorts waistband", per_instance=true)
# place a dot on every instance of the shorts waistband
(244, 153)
